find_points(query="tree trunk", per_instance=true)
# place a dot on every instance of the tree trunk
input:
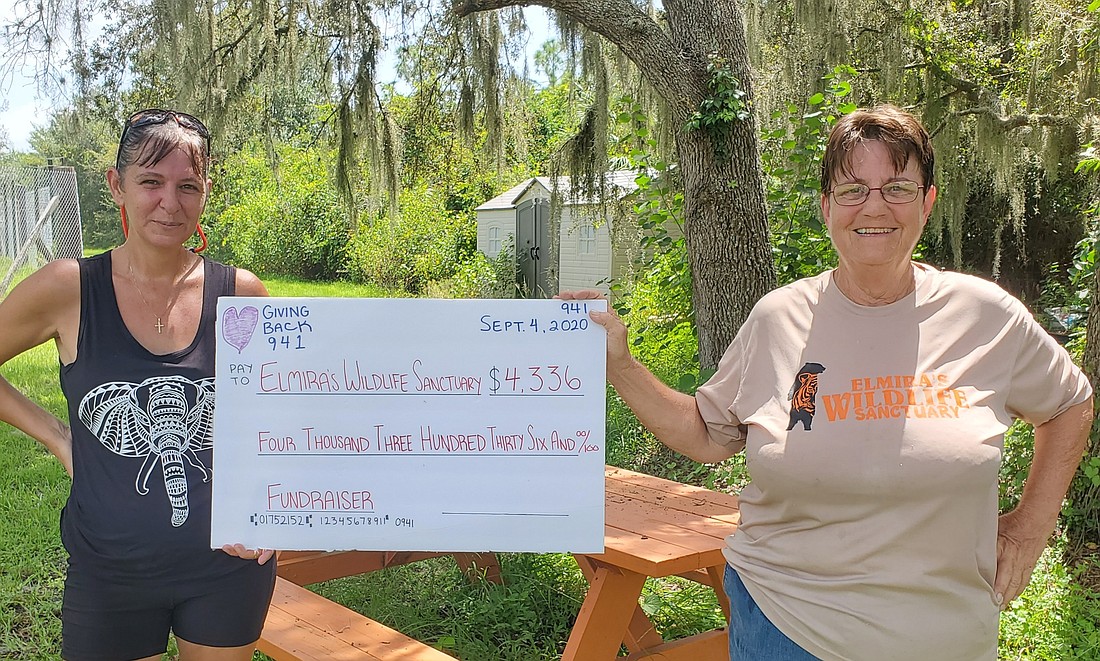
(728, 239)
(725, 215)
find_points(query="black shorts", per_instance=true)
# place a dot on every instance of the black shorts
(109, 621)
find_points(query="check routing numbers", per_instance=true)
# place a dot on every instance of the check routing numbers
(331, 383)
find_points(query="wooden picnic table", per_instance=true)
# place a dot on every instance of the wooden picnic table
(653, 528)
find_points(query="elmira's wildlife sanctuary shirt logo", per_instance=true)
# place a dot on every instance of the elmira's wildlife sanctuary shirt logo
(924, 395)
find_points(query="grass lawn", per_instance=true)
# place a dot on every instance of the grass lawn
(527, 619)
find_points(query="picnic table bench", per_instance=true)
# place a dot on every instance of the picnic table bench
(304, 625)
(653, 528)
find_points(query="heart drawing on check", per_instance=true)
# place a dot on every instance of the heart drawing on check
(237, 327)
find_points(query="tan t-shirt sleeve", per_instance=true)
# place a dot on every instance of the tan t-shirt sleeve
(1045, 382)
(716, 397)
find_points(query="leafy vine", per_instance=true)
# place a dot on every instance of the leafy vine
(719, 112)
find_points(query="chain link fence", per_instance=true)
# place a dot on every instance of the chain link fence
(39, 219)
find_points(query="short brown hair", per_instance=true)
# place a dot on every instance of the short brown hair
(148, 143)
(900, 132)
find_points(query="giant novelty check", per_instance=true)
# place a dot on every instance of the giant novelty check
(409, 424)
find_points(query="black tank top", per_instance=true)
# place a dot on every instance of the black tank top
(142, 428)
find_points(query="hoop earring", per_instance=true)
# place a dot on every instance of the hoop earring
(125, 223)
(202, 236)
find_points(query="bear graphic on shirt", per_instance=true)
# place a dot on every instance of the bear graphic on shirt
(803, 395)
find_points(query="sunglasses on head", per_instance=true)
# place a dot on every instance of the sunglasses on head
(153, 116)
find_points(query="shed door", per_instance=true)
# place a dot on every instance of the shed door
(533, 248)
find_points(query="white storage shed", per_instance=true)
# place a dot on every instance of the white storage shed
(583, 253)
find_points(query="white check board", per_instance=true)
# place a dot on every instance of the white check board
(409, 424)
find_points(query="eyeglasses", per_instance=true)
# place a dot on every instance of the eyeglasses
(151, 116)
(895, 192)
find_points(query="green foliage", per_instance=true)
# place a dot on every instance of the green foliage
(679, 607)
(1090, 470)
(660, 299)
(658, 315)
(553, 117)
(726, 105)
(288, 222)
(279, 286)
(1057, 618)
(1082, 513)
(426, 242)
(32, 559)
(791, 156)
(956, 42)
(663, 338)
(550, 60)
(1019, 449)
(1089, 160)
(481, 277)
(444, 144)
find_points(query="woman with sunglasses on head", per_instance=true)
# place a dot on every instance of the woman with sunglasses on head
(135, 333)
(871, 402)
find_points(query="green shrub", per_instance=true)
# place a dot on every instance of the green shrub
(291, 222)
(1057, 616)
(479, 277)
(425, 243)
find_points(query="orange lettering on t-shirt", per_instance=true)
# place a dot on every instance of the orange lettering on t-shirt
(836, 406)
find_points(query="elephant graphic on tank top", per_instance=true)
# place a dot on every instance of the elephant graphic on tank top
(162, 420)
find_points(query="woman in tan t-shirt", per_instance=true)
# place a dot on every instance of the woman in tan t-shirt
(871, 402)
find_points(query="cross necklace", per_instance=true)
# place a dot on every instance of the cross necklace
(171, 300)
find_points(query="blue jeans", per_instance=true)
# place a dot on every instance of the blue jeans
(752, 636)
